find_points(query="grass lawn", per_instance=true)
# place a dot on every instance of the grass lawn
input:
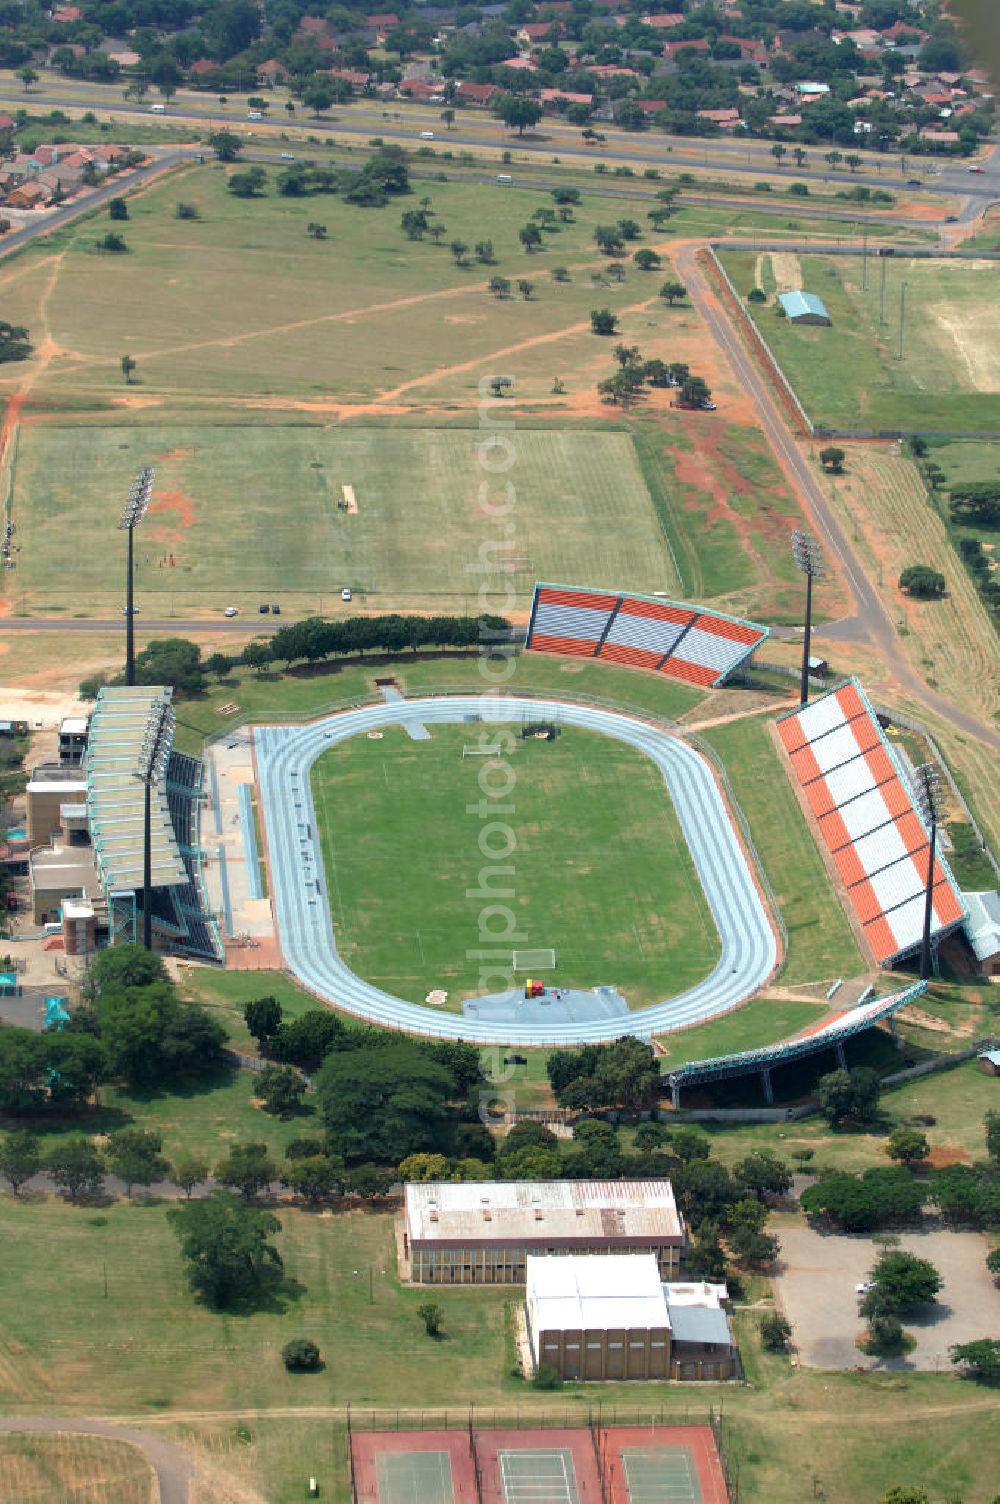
(764, 1020)
(311, 692)
(848, 375)
(821, 944)
(215, 533)
(601, 870)
(67, 1468)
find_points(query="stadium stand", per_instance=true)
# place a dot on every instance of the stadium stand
(670, 637)
(831, 1034)
(866, 816)
(193, 931)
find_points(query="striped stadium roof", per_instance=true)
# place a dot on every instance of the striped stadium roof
(676, 638)
(115, 796)
(865, 814)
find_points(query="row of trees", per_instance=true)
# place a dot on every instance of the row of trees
(384, 175)
(316, 638)
(628, 382)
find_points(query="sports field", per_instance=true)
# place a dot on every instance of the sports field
(849, 375)
(601, 872)
(70, 1468)
(245, 513)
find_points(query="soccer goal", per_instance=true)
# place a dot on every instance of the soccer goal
(534, 960)
(476, 751)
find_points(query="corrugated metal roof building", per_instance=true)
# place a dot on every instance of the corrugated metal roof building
(482, 1233)
(983, 930)
(804, 308)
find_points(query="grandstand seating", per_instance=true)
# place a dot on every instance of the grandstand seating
(865, 814)
(670, 637)
(196, 931)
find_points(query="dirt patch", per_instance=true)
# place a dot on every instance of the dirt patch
(787, 271)
(177, 502)
(178, 454)
(968, 341)
(943, 1155)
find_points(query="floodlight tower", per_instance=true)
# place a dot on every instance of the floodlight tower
(809, 559)
(149, 770)
(133, 512)
(928, 802)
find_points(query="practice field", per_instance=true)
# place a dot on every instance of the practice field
(849, 375)
(602, 873)
(70, 1468)
(242, 514)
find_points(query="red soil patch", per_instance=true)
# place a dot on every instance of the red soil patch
(943, 1155)
(707, 470)
(176, 454)
(174, 501)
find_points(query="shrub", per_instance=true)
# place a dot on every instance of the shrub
(546, 1377)
(301, 1356)
(775, 1332)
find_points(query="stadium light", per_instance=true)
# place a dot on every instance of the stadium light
(928, 802)
(808, 559)
(149, 769)
(133, 511)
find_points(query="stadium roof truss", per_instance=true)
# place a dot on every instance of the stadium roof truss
(676, 638)
(823, 1036)
(867, 816)
(119, 728)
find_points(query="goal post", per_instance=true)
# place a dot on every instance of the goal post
(534, 960)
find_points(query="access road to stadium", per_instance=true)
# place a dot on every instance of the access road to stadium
(173, 1468)
(284, 756)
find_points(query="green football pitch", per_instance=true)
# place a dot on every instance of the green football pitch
(601, 871)
(242, 514)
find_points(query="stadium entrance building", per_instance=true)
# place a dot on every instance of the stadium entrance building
(482, 1233)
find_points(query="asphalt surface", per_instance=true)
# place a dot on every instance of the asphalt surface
(871, 622)
(285, 755)
(174, 1471)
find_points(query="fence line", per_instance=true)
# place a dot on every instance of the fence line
(518, 1418)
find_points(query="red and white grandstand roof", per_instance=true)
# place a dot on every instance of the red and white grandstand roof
(687, 642)
(866, 817)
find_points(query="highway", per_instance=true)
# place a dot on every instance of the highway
(285, 755)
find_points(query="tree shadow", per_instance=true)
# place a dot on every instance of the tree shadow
(274, 1294)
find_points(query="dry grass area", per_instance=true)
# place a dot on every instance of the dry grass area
(66, 1468)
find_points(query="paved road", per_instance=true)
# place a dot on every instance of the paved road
(285, 755)
(871, 622)
(174, 1470)
(163, 161)
(173, 626)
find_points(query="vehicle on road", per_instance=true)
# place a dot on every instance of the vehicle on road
(345, 594)
(914, 183)
(288, 156)
(974, 168)
(427, 135)
(231, 611)
(157, 109)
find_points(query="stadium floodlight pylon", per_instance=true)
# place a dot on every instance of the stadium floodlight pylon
(133, 511)
(928, 794)
(150, 769)
(809, 560)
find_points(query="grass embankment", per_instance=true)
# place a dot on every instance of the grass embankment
(70, 1468)
(599, 870)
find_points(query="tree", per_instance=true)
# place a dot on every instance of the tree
(262, 1016)
(695, 392)
(421, 1168)
(314, 1176)
(315, 230)
(832, 458)
(980, 1359)
(20, 1158)
(111, 244)
(922, 581)
(848, 1096)
(516, 110)
(877, 1198)
(448, 116)
(77, 1167)
(248, 184)
(901, 1282)
(414, 223)
(755, 1249)
(834, 158)
(977, 503)
(459, 250)
(14, 343)
(117, 209)
(903, 1493)
(188, 1171)
(133, 1154)
(756, 295)
(128, 365)
(28, 76)
(248, 1168)
(318, 96)
(602, 321)
(301, 1356)
(257, 655)
(432, 1317)
(525, 288)
(173, 661)
(763, 1174)
(800, 156)
(226, 145)
(383, 1104)
(778, 151)
(647, 260)
(908, 1145)
(530, 237)
(609, 239)
(484, 252)
(853, 160)
(992, 1259)
(226, 1247)
(281, 1089)
(500, 287)
(992, 1126)
(305, 1041)
(775, 1332)
(148, 1033)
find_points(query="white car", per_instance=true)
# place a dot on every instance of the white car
(288, 156)
(231, 611)
(864, 1287)
(427, 135)
(345, 594)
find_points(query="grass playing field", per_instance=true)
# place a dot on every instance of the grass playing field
(849, 375)
(602, 873)
(69, 1468)
(242, 514)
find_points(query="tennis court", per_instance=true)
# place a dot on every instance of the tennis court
(414, 1478)
(660, 1475)
(412, 1467)
(544, 1477)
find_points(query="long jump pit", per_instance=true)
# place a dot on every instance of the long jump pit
(582, 1465)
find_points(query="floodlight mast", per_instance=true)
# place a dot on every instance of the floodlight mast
(149, 770)
(133, 511)
(808, 559)
(928, 791)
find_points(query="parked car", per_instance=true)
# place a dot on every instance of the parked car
(345, 594)
(975, 168)
(231, 611)
(264, 608)
(275, 609)
(864, 1287)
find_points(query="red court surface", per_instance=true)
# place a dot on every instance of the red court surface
(611, 1465)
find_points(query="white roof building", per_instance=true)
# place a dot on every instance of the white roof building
(588, 1293)
(983, 928)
